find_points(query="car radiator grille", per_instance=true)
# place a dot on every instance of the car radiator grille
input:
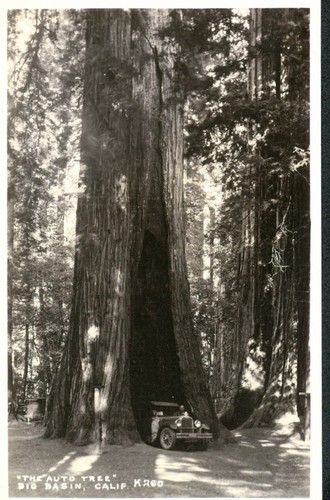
(187, 424)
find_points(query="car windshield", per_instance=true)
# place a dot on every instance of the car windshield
(166, 410)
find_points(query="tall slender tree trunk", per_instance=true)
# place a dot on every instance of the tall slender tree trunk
(10, 277)
(131, 335)
(302, 284)
(45, 368)
(11, 383)
(26, 360)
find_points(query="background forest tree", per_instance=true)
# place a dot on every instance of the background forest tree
(243, 84)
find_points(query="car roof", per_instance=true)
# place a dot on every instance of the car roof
(162, 403)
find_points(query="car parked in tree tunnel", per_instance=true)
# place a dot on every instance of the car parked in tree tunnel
(166, 424)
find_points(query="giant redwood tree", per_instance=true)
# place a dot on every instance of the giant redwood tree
(130, 336)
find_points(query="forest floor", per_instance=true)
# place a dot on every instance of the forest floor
(263, 463)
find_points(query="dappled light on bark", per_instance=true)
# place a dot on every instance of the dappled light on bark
(93, 333)
(121, 191)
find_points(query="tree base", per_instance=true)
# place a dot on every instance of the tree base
(270, 414)
(225, 436)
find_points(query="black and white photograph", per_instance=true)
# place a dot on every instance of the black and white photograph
(163, 329)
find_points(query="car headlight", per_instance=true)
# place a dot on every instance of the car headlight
(197, 424)
(178, 423)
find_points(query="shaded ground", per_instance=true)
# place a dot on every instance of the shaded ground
(264, 463)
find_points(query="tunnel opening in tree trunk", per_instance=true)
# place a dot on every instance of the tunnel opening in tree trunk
(154, 366)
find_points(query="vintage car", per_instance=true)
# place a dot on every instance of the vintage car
(32, 409)
(168, 424)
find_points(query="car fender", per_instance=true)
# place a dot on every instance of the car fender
(171, 425)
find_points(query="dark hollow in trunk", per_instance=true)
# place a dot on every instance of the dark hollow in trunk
(154, 364)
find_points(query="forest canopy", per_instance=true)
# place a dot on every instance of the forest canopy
(158, 214)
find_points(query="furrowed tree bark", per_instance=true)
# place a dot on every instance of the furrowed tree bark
(130, 334)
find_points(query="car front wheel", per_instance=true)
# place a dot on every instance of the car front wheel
(167, 438)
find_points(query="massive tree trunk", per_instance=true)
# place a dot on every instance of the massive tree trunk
(130, 335)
